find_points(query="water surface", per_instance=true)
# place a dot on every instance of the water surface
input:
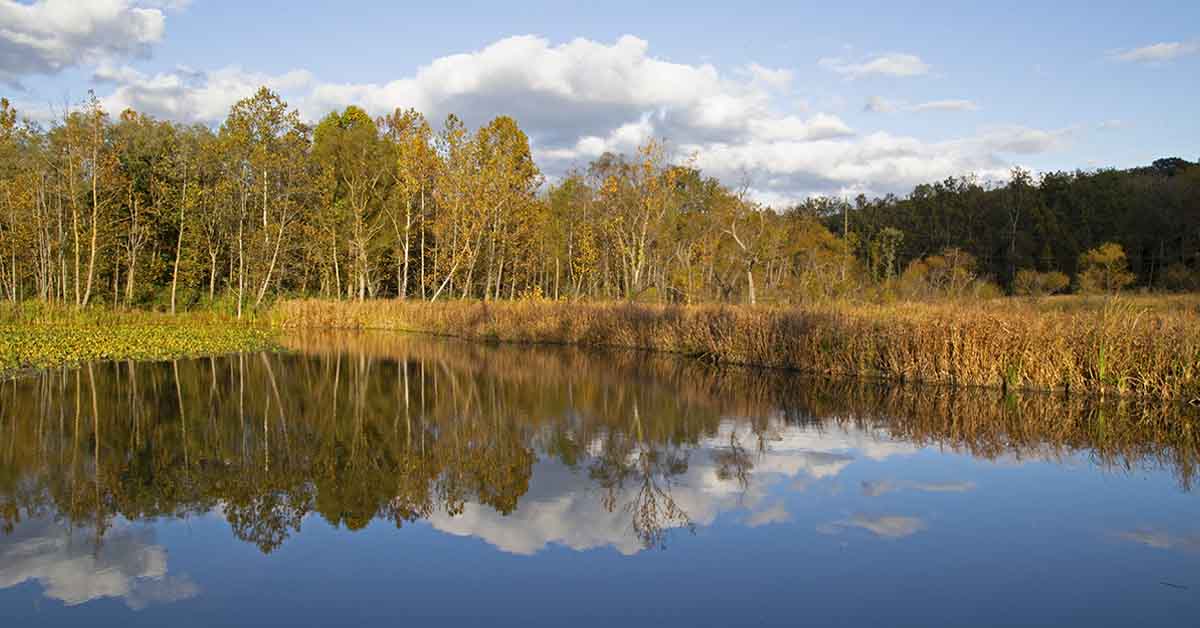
(387, 479)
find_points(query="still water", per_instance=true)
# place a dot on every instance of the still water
(389, 480)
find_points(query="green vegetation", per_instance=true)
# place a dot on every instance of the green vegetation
(1100, 347)
(40, 337)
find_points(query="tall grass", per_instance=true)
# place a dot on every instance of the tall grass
(1107, 348)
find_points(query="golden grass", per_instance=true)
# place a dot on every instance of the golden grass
(1120, 347)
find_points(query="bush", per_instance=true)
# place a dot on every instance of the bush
(1031, 283)
(1104, 269)
(1179, 278)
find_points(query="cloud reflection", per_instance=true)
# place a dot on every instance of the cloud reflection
(875, 488)
(1160, 539)
(564, 506)
(68, 566)
(883, 526)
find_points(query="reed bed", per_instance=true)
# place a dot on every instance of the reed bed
(1113, 347)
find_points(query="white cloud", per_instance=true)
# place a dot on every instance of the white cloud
(777, 78)
(895, 64)
(581, 98)
(189, 95)
(49, 35)
(1162, 51)
(946, 105)
(878, 104)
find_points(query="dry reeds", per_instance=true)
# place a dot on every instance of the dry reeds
(1111, 348)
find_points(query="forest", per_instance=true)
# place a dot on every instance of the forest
(124, 209)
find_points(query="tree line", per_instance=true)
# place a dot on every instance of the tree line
(135, 211)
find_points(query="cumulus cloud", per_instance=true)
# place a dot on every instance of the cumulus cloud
(775, 77)
(47, 36)
(129, 565)
(581, 98)
(1159, 52)
(946, 105)
(896, 64)
(878, 104)
(189, 95)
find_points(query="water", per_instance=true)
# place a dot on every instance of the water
(386, 480)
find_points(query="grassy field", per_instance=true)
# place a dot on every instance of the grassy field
(33, 336)
(1144, 346)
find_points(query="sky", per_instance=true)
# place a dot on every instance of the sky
(793, 99)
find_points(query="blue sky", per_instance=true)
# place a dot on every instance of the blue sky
(796, 98)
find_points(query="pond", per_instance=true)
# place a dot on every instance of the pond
(385, 479)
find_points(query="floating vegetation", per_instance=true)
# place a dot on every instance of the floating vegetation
(47, 342)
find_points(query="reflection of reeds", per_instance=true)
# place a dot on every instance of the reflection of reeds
(1113, 348)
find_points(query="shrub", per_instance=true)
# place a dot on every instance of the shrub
(1104, 269)
(1031, 283)
(1179, 278)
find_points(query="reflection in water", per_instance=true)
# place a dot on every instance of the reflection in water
(1159, 539)
(885, 526)
(875, 488)
(520, 447)
(71, 568)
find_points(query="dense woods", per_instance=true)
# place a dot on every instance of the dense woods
(124, 209)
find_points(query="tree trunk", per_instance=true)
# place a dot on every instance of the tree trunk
(179, 242)
(87, 293)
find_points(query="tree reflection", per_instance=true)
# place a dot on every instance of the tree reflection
(362, 428)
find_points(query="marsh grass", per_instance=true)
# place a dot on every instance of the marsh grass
(1101, 347)
(40, 336)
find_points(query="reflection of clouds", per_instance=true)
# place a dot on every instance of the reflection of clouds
(885, 526)
(564, 507)
(69, 568)
(875, 488)
(1160, 539)
(777, 513)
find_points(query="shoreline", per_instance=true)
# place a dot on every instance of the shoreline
(1115, 348)
(1111, 349)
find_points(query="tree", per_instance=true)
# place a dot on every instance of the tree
(413, 172)
(1104, 269)
(265, 148)
(348, 147)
